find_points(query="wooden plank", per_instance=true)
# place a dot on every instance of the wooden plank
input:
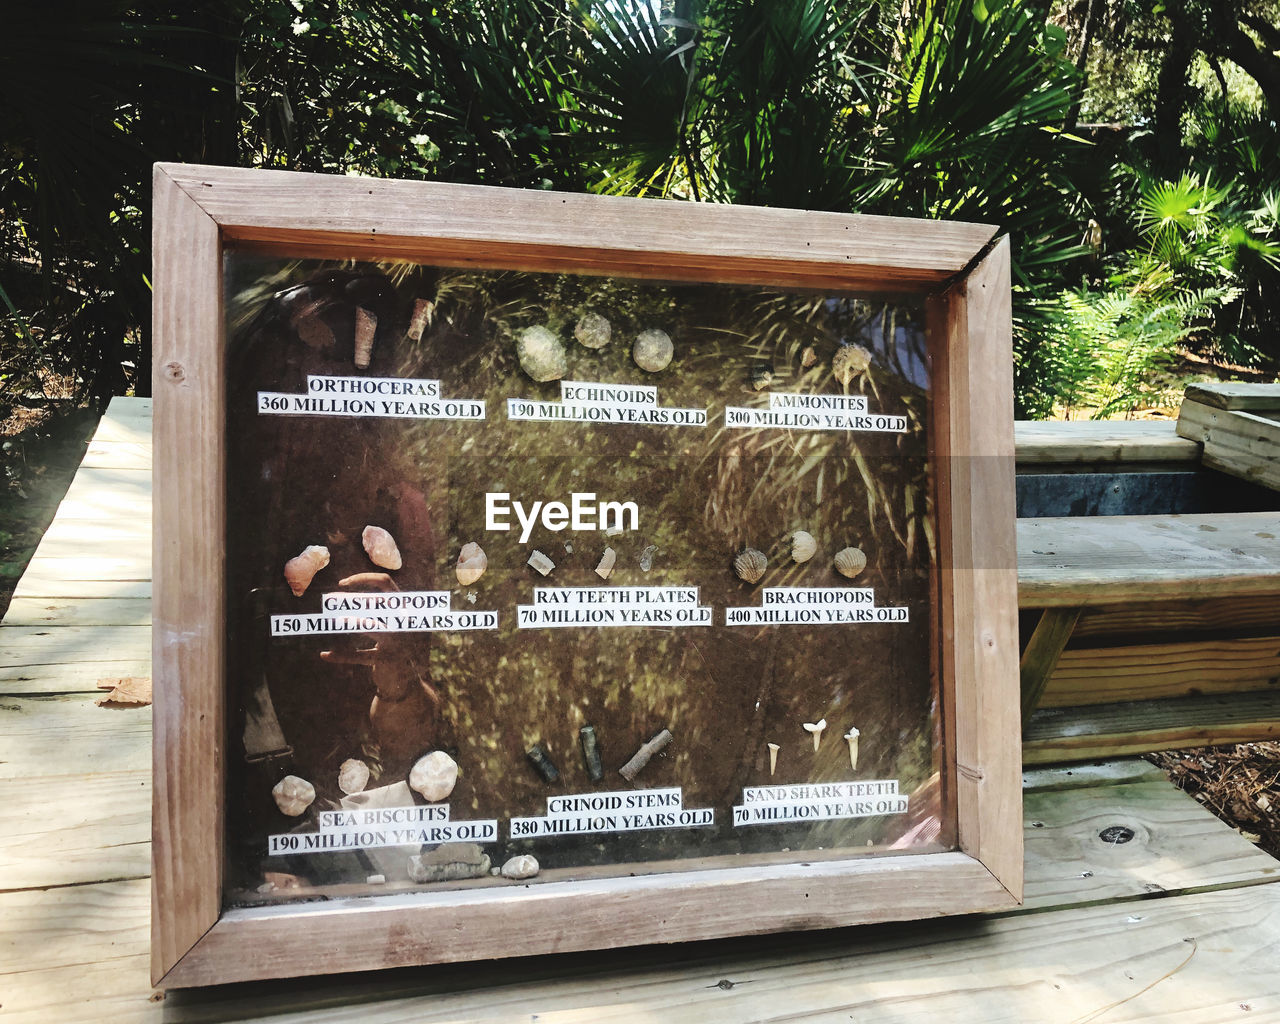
(1135, 727)
(62, 678)
(1195, 959)
(87, 538)
(1103, 675)
(43, 580)
(1111, 559)
(75, 611)
(63, 645)
(188, 607)
(314, 214)
(976, 506)
(126, 419)
(1086, 442)
(118, 455)
(75, 829)
(1236, 442)
(1235, 395)
(1177, 846)
(1042, 652)
(51, 734)
(1255, 615)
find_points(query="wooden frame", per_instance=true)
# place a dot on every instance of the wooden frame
(202, 211)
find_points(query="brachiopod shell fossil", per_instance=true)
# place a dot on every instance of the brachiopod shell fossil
(607, 562)
(381, 547)
(366, 328)
(750, 565)
(434, 775)
(541, 354)
(353, 776)
(293, 795)
(850, 561)
(849, 361)
(472, 562)
(593, 330)
(301, 570)
(803, 546)
(541, 563)
(523, 865)
(653, 350)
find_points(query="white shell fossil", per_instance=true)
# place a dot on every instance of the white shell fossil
(850, 361)
(472, 562)
(541, 563)
(750, 565)
(523, 865)
(593, 330)
(300, 570)
(293, 795)
(381, 547)
(353, 776)
(434, 775)
(803, 546)
(849, 562)
(607, 561)
(541, 354)
(366, 328)
(653, 350)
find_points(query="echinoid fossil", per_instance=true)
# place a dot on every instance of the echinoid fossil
(850, 361)
(434, 775)
(541, 354)
(653, 350)
(301, 570)
(850, 561)
(381, 547)
(293, 795)
(593, 330)
(353, 776)
(472, 562)
(750, 565)
(803, 546)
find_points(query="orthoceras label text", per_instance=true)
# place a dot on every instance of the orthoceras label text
(390, 397)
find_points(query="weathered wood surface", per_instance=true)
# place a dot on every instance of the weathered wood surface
(1134, 727)
(74, 946)
(1042, 652)
(1236, 441)
(1088, 442)
(1110, 559)
(1258, 615)
(1236, 395)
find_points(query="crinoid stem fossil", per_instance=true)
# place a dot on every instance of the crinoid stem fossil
(591, 752)
(773, 758)
(541, 760)
(816, 728)
(632, 768)
(851, 737)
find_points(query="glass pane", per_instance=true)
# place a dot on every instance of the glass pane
(626, 576)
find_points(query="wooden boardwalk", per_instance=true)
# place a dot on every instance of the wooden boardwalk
(1181, 924)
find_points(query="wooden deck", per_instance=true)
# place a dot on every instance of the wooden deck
(1179, 924)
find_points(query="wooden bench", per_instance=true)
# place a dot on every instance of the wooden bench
(1144, 632)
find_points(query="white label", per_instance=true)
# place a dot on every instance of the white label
(646, 415)
(586, 392)
(613, 606)
(387, 397)
(576, 804)
(782, 805)
(822, 615)
(741, 416)
(624, 811)
(481, 831)
(365, 817)
(383, 622)
(817, 403)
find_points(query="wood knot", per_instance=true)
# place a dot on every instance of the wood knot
(175, 372)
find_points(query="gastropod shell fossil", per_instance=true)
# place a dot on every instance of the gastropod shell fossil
(381, 547)
(301, 570)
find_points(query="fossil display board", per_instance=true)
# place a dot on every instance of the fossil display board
(539, 572)
(546, 576)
